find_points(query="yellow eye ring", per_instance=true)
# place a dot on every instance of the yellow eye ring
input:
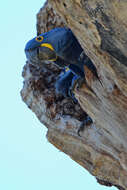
(39, 38)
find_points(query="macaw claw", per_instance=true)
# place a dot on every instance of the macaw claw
(85, 123)
(76, 82)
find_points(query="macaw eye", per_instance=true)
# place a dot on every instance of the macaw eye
(39, 38)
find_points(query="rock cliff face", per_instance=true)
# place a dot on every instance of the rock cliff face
(101, 28)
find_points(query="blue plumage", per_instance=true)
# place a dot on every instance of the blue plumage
(61, 46)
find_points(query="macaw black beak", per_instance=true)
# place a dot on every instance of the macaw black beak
(46, 54)
(40, 53)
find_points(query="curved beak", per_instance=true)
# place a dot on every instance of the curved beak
(32, 55)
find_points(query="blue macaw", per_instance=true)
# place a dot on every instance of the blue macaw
(60, 46)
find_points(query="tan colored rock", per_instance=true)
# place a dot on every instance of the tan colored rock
(101, 28)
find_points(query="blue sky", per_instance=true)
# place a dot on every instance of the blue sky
(27, 160)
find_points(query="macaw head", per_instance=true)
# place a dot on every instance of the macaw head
(36, 51)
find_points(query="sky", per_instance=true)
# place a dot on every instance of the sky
(27, 160)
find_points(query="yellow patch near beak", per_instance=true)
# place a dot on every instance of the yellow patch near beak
(48, 46)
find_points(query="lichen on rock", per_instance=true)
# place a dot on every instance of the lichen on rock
(100, 27)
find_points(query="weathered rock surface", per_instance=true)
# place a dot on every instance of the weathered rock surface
(101, 28)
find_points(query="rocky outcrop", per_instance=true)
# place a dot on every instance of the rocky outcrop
(100, 27)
